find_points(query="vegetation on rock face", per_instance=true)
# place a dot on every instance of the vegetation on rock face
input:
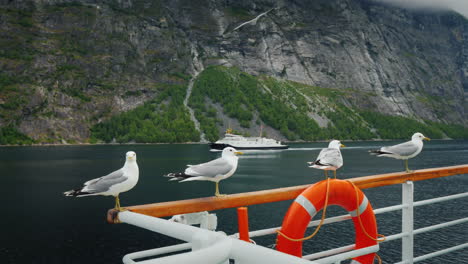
(11, 136)
(283, 106)
(397, 127)
(65, 63)
(347, 125)
(164, 119)
(16, 55)
(453, 131)
(241, 96)
(279, 104)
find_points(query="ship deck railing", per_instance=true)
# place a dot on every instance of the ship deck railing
(205, 246)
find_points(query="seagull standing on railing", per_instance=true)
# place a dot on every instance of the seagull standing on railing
(119, 181)
(329, 158)
(403, 151)
(215, 170)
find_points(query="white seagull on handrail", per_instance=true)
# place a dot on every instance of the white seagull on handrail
(329, 158)
(215, 170)
(403, 151)
(119, 181)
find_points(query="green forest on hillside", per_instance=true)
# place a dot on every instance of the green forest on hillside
(282, 107)
(240, 95)
(163, 119)
(251, 100)
(10, 135)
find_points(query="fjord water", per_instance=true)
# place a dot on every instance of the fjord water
(40, 225)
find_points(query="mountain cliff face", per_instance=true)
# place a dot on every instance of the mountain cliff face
(67, 67)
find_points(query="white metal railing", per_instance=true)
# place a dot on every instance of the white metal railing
(207, 246)
(215, 247)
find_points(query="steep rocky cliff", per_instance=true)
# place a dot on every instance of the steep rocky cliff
(66, 66)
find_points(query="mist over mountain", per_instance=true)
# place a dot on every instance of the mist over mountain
(120, 71)
(459, 6)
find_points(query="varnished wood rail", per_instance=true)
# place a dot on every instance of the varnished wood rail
(280, 194)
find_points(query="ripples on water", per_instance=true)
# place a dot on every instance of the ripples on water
(40, 225)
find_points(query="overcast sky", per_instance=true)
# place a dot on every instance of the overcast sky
(460, 6)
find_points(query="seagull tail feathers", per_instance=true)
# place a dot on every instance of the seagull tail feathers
(378, 152)
(76, 193)
(177, 176)
(318, 165)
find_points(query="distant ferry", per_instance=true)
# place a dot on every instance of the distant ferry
(246, 143)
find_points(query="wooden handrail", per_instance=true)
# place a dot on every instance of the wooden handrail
(280, 194)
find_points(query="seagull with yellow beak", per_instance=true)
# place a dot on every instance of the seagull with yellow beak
(215, 170)
(112, 184)
(329, 158)
(403, 151)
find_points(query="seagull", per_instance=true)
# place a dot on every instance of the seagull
(329, 158)
(113, 184)
(403, 151)
(215, 170)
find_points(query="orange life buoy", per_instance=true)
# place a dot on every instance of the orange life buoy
(312, 200)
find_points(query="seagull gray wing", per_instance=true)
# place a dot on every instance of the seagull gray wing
(329, 157)
(210, 169)
(104, 183)
(403, 149)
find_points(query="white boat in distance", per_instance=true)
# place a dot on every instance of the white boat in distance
(246, 143)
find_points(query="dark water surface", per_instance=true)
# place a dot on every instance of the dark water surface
(40, 225)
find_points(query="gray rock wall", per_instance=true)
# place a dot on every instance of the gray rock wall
(119, 53)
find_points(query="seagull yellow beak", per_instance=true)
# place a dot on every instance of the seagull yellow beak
(426, 138)
(342, 146)
(238, 153)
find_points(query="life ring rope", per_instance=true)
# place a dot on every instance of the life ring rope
(318, 226)
(312, 211)
(358, 209)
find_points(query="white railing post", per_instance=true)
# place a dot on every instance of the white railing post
(407, 223)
